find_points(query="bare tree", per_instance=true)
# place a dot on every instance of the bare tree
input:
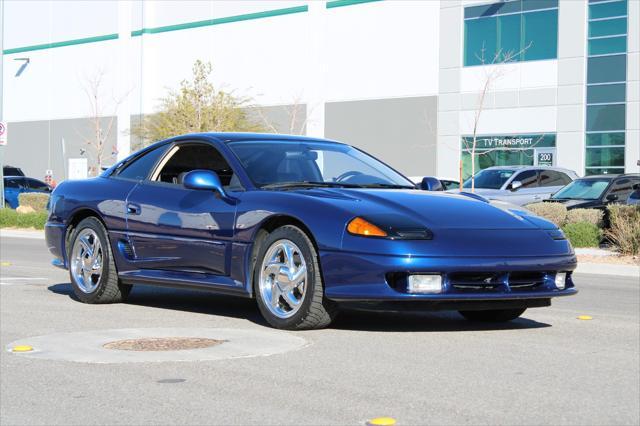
(293, 111)
(492, 75)
(100, 107)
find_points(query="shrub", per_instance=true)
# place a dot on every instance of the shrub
(582, 234)
(624, 232)
(10, 218)
(36, 200)
(554, 212)
(593, 216)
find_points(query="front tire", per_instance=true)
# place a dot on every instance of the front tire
(494, 315)
(92, 270)
(288, 284)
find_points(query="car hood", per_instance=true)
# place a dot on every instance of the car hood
(575, 203)
(436, 210)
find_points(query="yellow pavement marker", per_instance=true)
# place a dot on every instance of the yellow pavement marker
(382, 421)
(5, 263)
(585, 317)
(22, 348)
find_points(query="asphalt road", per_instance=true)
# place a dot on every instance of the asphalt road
(545, 368)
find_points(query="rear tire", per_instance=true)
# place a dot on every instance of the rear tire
(290, 293)
(94, 277)
(495, 315)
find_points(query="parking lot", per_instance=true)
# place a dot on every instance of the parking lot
(548, 367)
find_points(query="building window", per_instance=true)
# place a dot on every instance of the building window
(517, 30)
(606, 87)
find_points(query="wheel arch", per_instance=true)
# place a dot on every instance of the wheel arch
(75, 218)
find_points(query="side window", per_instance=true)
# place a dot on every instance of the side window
(529, 178)
(195, 156)
(553, 178)
(140, 168)
(622, 188)
(11, 183)
(36, 185)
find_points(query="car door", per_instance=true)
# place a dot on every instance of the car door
(174, 228)
(528, 192)
(550, 182)
(12, 188)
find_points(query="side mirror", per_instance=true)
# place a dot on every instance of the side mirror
(204, 180)
(612, 197)
(430, 183)
(515, 185)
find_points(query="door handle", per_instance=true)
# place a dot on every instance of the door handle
(133, 209)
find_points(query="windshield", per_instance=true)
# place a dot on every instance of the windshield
(490, 179)
(588, 189)
(281, 164)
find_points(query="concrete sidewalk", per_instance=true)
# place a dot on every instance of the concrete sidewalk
(583, 268)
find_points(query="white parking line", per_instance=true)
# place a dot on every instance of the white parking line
(5, 280)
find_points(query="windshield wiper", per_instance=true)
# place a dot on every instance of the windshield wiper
(386, 185)
(308, 184)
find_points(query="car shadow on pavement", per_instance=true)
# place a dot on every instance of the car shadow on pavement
(440, 321)
(203, 302)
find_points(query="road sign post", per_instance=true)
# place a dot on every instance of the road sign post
(3, 143)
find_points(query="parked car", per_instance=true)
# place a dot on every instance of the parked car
(596, 192)
(304, 226)
(447, 184)
(16, 185)
(634, 197)
(520, 185)
(12, 171)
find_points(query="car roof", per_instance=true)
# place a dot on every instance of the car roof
(258, 137)
(520, 168)
(611, 176)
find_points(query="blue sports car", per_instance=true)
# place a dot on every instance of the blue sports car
(306, 227)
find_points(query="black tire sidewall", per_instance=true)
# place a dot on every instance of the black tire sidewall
(299, 238)
(95, 225)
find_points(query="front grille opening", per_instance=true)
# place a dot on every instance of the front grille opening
(526, 281)
(475, 281)
(397, 281)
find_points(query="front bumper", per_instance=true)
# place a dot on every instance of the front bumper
(357, 277)
(54, 234)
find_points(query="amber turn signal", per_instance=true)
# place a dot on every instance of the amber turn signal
(359, 226)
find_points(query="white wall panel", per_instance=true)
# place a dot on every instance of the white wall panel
(382, 49)
(510, 121)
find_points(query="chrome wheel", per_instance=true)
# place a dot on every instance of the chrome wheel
(283, 276)
(86, 260)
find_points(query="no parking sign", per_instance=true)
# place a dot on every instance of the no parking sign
(3, 133)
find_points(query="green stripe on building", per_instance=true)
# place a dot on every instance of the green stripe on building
(60, 44)
(177, 27)
(341, 3)
(220, 21)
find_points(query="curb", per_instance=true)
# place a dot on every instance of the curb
(608, 269)
(22, 233)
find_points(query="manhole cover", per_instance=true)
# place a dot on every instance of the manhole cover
(162, 344)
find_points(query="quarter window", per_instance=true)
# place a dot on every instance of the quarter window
(139, 168)
(553, 178)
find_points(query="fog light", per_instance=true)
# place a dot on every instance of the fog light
(561, 279)
(424, 284)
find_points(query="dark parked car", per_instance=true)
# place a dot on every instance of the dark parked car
(12, 171)
(16, 185)
(596, 192)
(304, 226)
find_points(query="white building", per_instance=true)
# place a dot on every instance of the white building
(400, 79)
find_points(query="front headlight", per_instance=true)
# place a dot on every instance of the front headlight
(392, 227)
